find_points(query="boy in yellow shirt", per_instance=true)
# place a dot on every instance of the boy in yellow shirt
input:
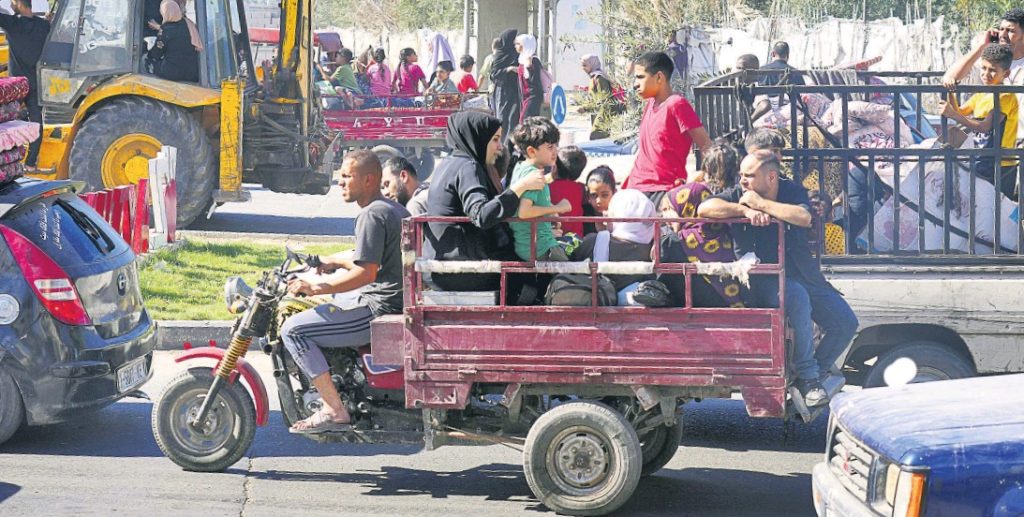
(976, 115)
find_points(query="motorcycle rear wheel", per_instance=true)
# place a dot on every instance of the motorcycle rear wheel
(230, 425)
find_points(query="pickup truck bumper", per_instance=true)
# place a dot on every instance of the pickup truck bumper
(831, 498)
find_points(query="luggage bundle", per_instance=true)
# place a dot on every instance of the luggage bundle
(15, 134)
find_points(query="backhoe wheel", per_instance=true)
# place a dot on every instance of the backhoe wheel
(221, 440)
(582, 458)
(113, 147)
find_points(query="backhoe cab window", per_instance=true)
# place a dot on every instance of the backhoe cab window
(221, 59)
(59, 48)
(104, 43)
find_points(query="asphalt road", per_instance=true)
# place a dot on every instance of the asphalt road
(108, 463)
(293, 214)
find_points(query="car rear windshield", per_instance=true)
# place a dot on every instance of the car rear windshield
(67, 230)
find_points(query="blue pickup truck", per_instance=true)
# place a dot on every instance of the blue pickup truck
(949, 448)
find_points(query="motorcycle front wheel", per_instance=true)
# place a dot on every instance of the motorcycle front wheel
(221, 440)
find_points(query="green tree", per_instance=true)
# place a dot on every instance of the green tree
(393, 15)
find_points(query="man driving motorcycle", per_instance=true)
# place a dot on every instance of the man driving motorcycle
(374, 268)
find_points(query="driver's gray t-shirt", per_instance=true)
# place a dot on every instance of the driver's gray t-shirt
(378, 240)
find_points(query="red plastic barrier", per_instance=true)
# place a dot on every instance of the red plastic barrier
(140, 219)
(171, 207)
(126, 208)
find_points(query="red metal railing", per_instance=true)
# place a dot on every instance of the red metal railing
(413, 237)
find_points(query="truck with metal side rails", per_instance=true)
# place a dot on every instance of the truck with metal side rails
(925, 240)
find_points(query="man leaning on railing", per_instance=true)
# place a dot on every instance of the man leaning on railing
(762, 195)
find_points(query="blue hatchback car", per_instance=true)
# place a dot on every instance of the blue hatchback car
(74, 334)
(947, 448)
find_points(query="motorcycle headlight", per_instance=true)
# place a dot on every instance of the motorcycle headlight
(236, 295)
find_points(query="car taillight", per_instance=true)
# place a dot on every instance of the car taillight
(50, 283)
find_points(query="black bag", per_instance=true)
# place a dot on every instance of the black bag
(652, 293)
(574, 291)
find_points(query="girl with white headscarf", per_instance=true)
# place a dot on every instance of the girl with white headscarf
(529, 76)
(627, 242)
(632, 203)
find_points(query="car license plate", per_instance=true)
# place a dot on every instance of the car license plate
(131, 375)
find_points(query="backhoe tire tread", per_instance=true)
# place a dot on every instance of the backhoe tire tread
(196, 168)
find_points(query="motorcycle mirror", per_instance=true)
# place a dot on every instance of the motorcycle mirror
(302, 258)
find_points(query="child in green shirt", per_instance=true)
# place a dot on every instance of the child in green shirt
(344, 76)
(537, 138)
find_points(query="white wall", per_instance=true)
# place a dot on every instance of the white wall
(566, 67)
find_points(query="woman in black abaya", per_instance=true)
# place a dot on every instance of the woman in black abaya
(463, 186)
(508, 98)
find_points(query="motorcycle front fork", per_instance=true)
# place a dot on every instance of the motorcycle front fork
(238, 347)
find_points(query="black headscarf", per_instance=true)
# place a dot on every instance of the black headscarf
(470, 132)
(505, 55)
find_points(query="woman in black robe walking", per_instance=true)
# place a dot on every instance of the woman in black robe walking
(508, 98)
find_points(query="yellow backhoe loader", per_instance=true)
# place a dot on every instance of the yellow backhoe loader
(105, 116)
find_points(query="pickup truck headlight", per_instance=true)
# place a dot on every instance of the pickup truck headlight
(904, 491)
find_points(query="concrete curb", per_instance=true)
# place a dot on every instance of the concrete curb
(172, 335)
(277, 238)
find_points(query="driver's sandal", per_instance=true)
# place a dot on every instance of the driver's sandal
(321, 423)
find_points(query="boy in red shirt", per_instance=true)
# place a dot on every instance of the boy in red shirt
(565, 185)
(668, 130)
(463, 78)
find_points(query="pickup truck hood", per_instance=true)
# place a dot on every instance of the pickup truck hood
(919, 418)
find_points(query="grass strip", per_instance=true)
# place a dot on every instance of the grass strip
(187, 282)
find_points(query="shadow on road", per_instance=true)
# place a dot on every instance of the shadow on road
(7, 490)
(124, 431)
(267, 223)
(711, 492)
(493, 482)
(724, 424)
(693, 491)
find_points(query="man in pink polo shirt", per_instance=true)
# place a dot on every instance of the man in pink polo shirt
(668, 129)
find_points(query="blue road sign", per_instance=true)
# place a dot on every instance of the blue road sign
(559, 104)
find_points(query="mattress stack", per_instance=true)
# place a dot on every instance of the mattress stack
(15, 135)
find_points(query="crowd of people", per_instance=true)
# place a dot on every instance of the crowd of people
(368, 81)
(511, 80)
(501, 182)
